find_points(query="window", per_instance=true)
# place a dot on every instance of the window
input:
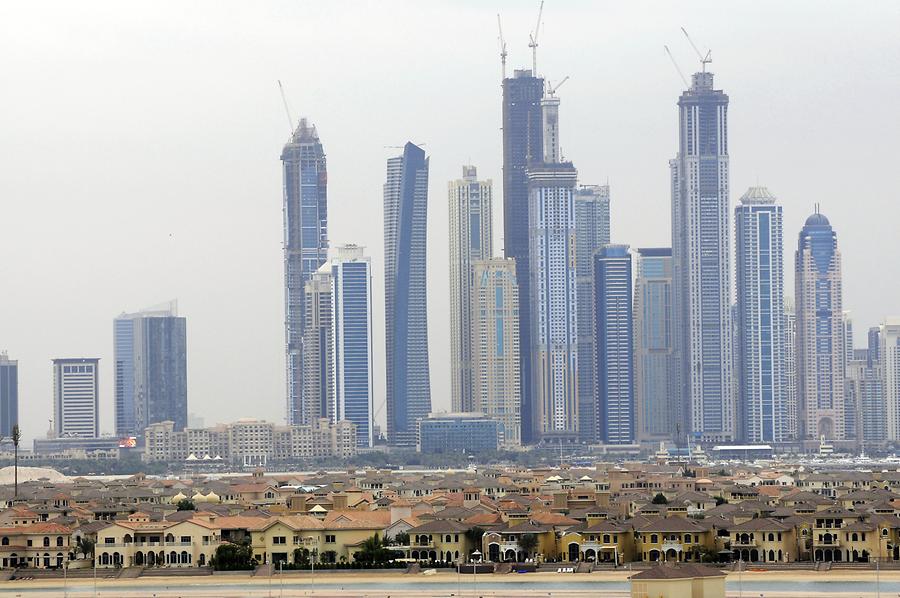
(654, 538)
(279, 540)
(186, 539)
(59, 540)
(329, 538)
(109, 540)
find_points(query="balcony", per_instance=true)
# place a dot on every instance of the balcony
(827, 543)
(745, 543)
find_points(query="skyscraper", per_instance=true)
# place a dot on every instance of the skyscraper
(614, 345)
(9, 394)
(791, 427)
(495, 345)
(317, 395)
(591, 233)
(150, 355)
(406, 324)
(76, 393)
(864, 388)
(351, 296)
(889, 361)
(522, 143)
(471, 239)
(551, 185)
(820, 331)
(305, 243)
(700, 254)
(759, 263)
(657, 393)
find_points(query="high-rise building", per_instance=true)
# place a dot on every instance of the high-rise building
(305, 243)
(522, 144)
(700, 254)
(759, 264)
(864, 388)
(406, 323)
(9, 394)
(495, 345)
(820, 331)
(351, 296)
(76, 395)
(551, 186)
(889, 361)
(791, 427)
(150, 355)
(614, 343)
(656, 390)
(591, 233)
(471, 239)
(317, 396)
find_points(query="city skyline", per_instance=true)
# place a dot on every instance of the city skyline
(741, 80)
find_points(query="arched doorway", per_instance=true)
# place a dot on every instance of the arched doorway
(494, 552)
(672, 555)
(138, 558)
(754, 555)
(573, 552)
(653, 555)
(590, 555)
(510, 555)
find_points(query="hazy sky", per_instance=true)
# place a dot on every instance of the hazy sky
(140, 144)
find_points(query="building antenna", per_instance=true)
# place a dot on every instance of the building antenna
(675, 64)
(704, 59)
(502, 48)
(533, 41)
(286, 109)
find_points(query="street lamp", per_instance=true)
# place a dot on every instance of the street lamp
(476, 558)
(312, 560)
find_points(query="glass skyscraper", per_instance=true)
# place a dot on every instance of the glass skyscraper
(591, 233)
(657, 393)
(820, 331)
(351, 296)
(762, 412)
(150, 355)
(9, 394)
(471, 239)
(305, 243)
(889, 365)
(406, 323)
(700, 254)
(554, 336)
(522, 143)
(614, 340)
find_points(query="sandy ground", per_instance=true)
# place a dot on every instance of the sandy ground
(296, 584)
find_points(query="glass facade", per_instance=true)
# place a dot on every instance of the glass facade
(351, 278)
(461, 434)
(406, 326)
(9, 395)
(305, 243)
(614, 341)
(522, 143)
(762, 412)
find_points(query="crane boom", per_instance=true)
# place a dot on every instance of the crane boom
(533, 41)
(704, 60)
(551, 89)
(675, 64)
(502, 48)
(286, 109)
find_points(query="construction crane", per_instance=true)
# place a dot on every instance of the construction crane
(704, 59)
(286, 109)
(533, 41)
(551, 89)
(502, 48)
(675, 64)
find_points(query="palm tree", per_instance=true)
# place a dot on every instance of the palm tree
(16, 437)
(528, 543)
